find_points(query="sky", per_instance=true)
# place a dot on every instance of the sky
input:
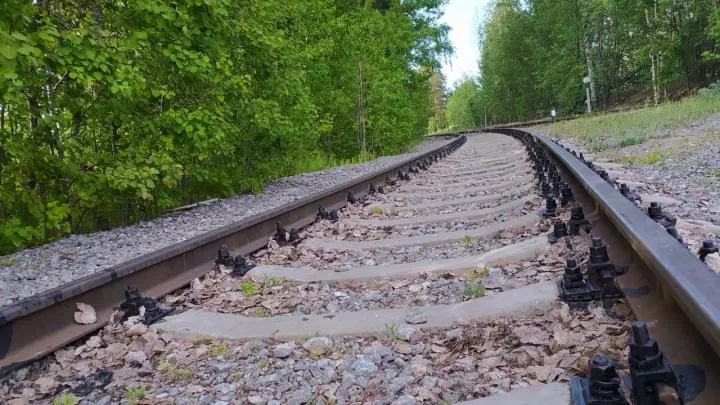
(463, 17)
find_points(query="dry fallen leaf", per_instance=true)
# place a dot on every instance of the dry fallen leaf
(45, 385)
(403, 347)
(85, 315)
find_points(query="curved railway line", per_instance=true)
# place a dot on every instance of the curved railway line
(499, 268)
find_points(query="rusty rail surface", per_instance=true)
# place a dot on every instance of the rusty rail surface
(37, 325)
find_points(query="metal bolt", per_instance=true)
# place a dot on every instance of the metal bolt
(560, 229)
(709, 246)
(655, 210)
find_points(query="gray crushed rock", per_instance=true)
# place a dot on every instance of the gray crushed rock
(459, 363)
(685, 181)
(692, 178)
(32, 271)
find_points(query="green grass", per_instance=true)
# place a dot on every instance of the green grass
(391, 332)
(475, 274)
(248, 289)
(711, 179)
(319, 161)
(66, 399)
(134, 395)
(617, 130)
(377, 210)
(473, 290)
(271, 281)
(647, 159)
(173, 373)
(220, 350)
(259, 312)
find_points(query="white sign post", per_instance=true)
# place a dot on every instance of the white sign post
(586, 84)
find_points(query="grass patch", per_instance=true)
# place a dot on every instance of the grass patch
(647, 160)
(391, 332)
(248, 289)
(134, 395)
(477, 274)
(173, 373)
(66, 399)
(259, 312)
(711, 179)
(271, 281)
(377, 210)
(473, 290)
(617, 130)
(466, 240)
(220, 350)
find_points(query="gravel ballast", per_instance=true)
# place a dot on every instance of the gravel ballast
(32, 271)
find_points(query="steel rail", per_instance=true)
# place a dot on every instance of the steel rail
(37, 325)
(694, 287)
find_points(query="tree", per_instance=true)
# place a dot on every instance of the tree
(535, 53)
(461, 111)
(112, 112)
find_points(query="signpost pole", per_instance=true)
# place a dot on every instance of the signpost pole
(586, 84)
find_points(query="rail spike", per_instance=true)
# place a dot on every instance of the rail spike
(224, 256)
(666, 220)
(152, 312)
(649, 368)
(577, 220)
(559, 231)
(708, 247)
(597, 284)
(601, 387)
(241, 266)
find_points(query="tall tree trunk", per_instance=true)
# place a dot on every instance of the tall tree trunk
(361, 109)
(588, 61)
(653, 62)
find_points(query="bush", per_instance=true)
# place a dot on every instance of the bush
(710, 92)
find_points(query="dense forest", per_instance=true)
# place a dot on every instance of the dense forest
(113, 111)
(535, 53)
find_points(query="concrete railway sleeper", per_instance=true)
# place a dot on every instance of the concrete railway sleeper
(525, 294)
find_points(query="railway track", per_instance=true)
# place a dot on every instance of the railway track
(449, 278)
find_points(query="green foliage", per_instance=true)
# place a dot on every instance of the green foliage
(647, 159)
(271, 281)
(112, 112)
(377, 210)
(535, 53)
(259, 312)
(66, 399)
(473, 290)
(167, 369)
(220, 350)
(134, 395)
(391, 332)
(180, 374)
(611, 131)
(466, 240)
(475, 274)
(710, 93)
(248, 289)
(461, 110)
